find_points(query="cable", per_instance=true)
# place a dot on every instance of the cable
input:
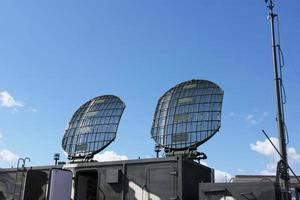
(282, 88)
(287, 134)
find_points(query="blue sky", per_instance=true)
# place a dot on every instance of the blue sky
(56, 55)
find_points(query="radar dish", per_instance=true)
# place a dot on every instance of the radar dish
(187, 115)
(93, 126)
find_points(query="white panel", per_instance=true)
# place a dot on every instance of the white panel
(60, 185)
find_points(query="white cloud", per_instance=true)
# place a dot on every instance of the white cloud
(241, 171)
(8, 156)
(221, 177)
(232, 114)
(34, 110)
(293, 155)
(264, 115)
(109, 156)
(270, 168)
(265, 148)
(250, 119)
(6, 100)
(255, 119)
(267, 172)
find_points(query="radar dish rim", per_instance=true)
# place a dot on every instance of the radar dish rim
(196, 143)
(86, 107)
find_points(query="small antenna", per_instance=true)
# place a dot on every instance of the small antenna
(157, 150)
(270, 4)
(56, 158)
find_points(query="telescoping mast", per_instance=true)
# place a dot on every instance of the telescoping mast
(277, 58)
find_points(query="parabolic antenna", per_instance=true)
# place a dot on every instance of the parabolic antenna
(93, 126)
(187, 115)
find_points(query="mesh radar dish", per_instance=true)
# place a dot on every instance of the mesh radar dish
(187, 115)
(93, 127)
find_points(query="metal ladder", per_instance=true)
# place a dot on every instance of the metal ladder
(19, 180)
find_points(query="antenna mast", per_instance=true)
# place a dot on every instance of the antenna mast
(279, 104)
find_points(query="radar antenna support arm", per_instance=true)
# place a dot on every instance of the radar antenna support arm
(288, 166)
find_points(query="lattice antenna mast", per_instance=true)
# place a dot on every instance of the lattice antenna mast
(279, 104)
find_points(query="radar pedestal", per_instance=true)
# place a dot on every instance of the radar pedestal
(189, 153)
(92, 128)
(186, 116)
